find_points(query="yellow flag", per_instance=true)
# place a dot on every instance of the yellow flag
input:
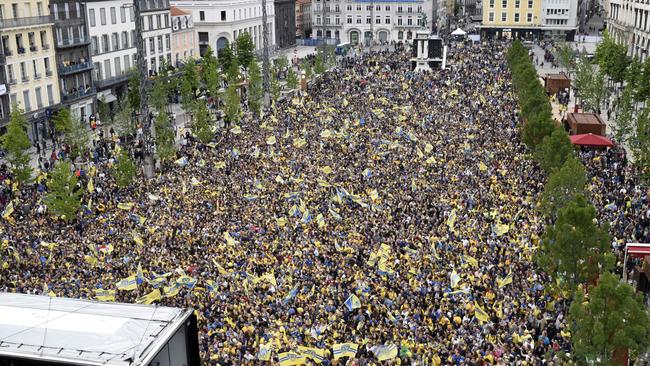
(291, 358)
(104, 295)
(147, 299)
(316, 354)
(480, 313)
(91, 186)
(482, 167)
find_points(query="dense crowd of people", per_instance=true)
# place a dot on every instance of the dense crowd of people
(385, 207)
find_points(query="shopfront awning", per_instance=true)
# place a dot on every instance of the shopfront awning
(107, 98)
(637, 250)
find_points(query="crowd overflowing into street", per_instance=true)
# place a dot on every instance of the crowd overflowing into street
(389, 211)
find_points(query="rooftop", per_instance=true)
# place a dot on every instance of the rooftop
(82, 331)
(585, 118)
(177, 12)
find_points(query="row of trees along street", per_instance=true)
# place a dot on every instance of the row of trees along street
(201, 85)
(612, 69)
(607, 316)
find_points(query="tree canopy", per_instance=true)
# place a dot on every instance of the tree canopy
(610, 318)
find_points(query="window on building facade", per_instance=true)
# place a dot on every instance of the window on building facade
(102, 16)
(125, 40)
(368, 20)
(201, 15)
(113, 15)
(349, 19)
(491, 17)
(504, 16)
(118, 66)
(516, 17)
(26, 102)
(399, 20)
(105, 43)
(517, 4)
(107, 69)
(387, 20)
(504, 3)
(358, 7)
(377, 20)
(116, 41)
(491, 3)
(530, 4)
(127, 62)
(358, 20)
(122, 14)
(223, 15)
(529, 17)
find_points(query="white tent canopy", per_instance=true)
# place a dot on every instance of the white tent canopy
(458, 32)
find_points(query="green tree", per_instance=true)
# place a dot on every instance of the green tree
(623, 121)
(643, 82)
(134, 92)
(226, 57)
(232, 104)
(575, 248)
(15, 143)
(306, 66)
(164, 137)
(612, 58)
(276, 89)
(611, 318)
(563, 185)
(210, 73)
(189, 85)
(565, 56)
(536, 129)
(633, 78)
(159, 96)
(63, 121)
(233, 75)
(319, 64)
(104, 112)
(78, 138)
(124, 120)
(255, 87)
(554, 150)
(282, 63)
(245, 49)
(292, 79)
(203, 126)
(589, 85)
(63, 198)
(124, 170)
(640, 143)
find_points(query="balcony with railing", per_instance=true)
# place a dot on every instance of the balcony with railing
(25, 78)
(45, 46)
(33, 48)
(24, 22)
(111, 81)
(78, 94)
(37, 76)
(72, 42)
(49, 72)
(72, 68)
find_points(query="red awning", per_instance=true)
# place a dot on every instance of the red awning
(638, 250)
(590, 139)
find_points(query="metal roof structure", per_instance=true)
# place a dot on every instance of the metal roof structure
(84, 332)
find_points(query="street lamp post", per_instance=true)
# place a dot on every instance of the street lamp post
(265, 58)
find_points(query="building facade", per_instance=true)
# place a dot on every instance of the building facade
(363, 22)
(628, 23)
(184, 39)
(157, 34)
(4, 92)
(303, 18)
(285, 23)
(111, 26)
(29, 61)
(73, 62)
(218, 23)
(530, 18)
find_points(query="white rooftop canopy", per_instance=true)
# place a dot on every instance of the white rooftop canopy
(89, 332)
(458, 32)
